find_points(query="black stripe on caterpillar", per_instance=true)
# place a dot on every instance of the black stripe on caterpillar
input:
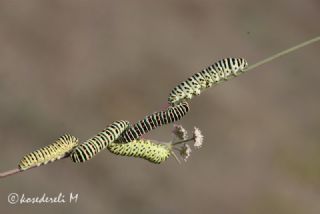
(155, 153)
(91, 147)
(157, 119)
(57, 150)
(220, 71)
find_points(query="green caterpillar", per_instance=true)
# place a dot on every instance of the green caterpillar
(155, 153)
(91, 147)
(220, 71)
(57, 150)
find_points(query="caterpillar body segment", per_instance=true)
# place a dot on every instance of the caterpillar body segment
(146, 149)
(57, 150)
(94, 145)
(220, 71)
(157, 119)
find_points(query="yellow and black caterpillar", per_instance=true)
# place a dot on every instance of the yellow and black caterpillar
(220, 71)
(155, 153)
(170, 115)
(91, 147)
(57, 150)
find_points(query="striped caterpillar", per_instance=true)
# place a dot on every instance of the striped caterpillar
(57, 150)
(220, 71)
(91, 147)
(155, 153)
(153, 121)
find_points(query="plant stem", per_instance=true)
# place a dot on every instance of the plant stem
(176, 157)
(296, 47)
(182, 141)
(18, 170)
(10, 172)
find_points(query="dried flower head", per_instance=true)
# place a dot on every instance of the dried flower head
(198, 138)
(185, 152)
(180, 132)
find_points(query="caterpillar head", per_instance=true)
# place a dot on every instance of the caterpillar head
(239, 66)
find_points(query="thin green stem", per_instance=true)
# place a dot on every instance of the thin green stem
(183, 141)
(176, 157)
(296, 47)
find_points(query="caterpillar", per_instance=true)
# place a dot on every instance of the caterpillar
(91, 147)
(61, 148)
(155, 153)
(220, 71)
(171, 114)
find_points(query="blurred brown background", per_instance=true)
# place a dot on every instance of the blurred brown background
(76, 66)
